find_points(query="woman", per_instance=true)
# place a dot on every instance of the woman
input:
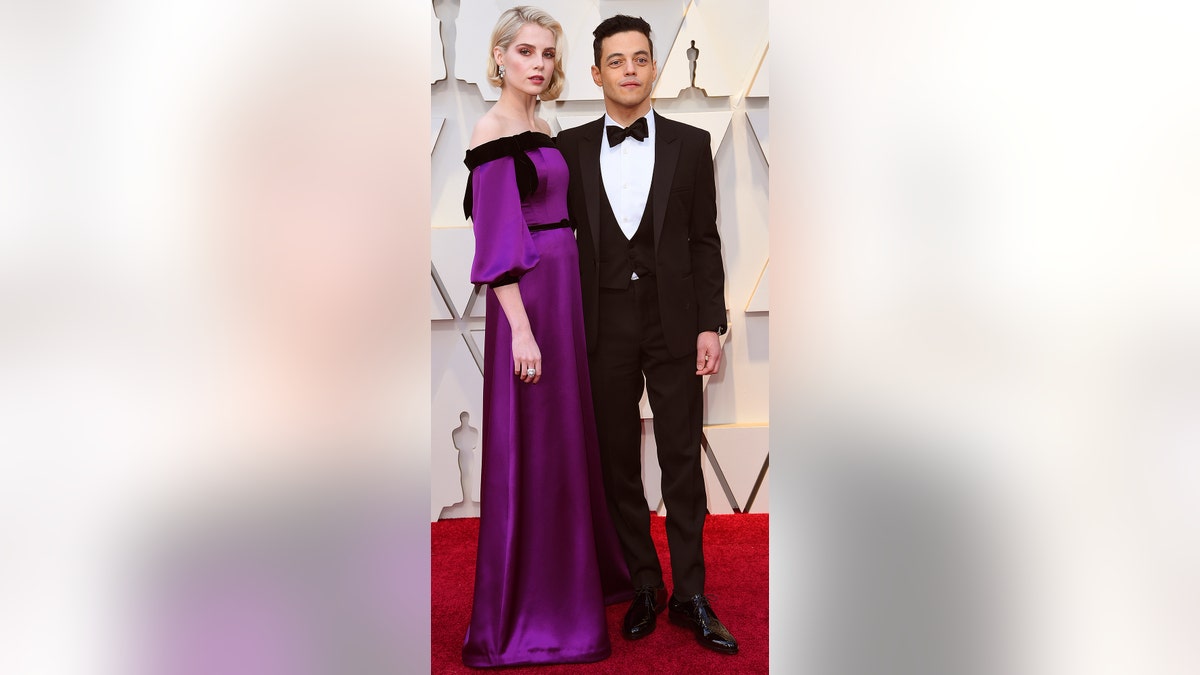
(548, 556)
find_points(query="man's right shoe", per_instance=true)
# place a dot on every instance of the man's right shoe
(642, 616)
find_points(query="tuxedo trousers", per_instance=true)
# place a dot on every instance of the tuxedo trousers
(631, 352)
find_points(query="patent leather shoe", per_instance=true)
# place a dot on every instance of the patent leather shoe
(695, 613)
(642, 616)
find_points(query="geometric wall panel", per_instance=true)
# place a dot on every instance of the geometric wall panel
(715, 123)
(740, 451)
(438, 307)
(762, 498)
(478, 305)
(435, 130)
(762, 80)
(724, 66)
(760, 299)
(452, 250)
(477, 336)
(759, 124)
(717, 499)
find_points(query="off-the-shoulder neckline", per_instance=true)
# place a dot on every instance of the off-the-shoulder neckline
(518, 147)
(504, 138)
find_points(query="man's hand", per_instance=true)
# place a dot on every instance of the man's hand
(708, 353)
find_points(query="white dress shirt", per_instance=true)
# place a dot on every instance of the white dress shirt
(627, 170)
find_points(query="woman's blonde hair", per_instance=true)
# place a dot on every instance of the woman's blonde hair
(510, 22)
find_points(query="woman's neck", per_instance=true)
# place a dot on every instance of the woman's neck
(516, 105)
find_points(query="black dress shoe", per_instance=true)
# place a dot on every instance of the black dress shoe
(695, 613)
(639, 622)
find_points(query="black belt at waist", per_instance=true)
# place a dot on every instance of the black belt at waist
(565, 222)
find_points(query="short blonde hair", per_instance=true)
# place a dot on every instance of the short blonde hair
(509, 23)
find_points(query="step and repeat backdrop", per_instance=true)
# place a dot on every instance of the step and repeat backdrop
(724, 45)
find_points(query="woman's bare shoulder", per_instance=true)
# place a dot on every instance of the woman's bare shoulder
(488, 128)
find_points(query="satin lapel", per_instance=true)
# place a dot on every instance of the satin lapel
(666, 156)
(589, 171)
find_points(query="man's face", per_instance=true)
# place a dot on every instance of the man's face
(627, 69)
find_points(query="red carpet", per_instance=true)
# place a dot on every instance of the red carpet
(735, 552)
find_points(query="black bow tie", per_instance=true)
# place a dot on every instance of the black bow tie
(638, 131)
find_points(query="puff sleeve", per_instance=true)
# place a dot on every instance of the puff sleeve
(504, 249)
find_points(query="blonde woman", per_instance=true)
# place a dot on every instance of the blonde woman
(549, 559)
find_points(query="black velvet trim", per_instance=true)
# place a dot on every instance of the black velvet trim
(504, 281)
(508, 146)
(565, 222)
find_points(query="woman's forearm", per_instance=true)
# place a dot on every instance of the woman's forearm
(509, 296)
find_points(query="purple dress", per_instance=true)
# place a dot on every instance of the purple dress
(549, 559)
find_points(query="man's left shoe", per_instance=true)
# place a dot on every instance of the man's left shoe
(697, 614)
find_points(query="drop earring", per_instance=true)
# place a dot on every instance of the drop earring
(501, 69)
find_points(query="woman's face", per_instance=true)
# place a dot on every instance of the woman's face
(529, 60)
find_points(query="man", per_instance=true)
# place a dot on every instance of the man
(643, 198)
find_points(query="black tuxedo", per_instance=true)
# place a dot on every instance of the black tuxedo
(691, 286)
(648, 330)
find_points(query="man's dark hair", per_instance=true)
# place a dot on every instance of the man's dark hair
(620, 24)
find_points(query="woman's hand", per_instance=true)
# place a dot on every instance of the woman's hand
(526, 356)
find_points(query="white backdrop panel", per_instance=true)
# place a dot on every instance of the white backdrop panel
(731, 37)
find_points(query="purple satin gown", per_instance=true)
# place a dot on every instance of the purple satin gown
(549, 559)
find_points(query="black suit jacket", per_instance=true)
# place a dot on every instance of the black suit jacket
(687, 247)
